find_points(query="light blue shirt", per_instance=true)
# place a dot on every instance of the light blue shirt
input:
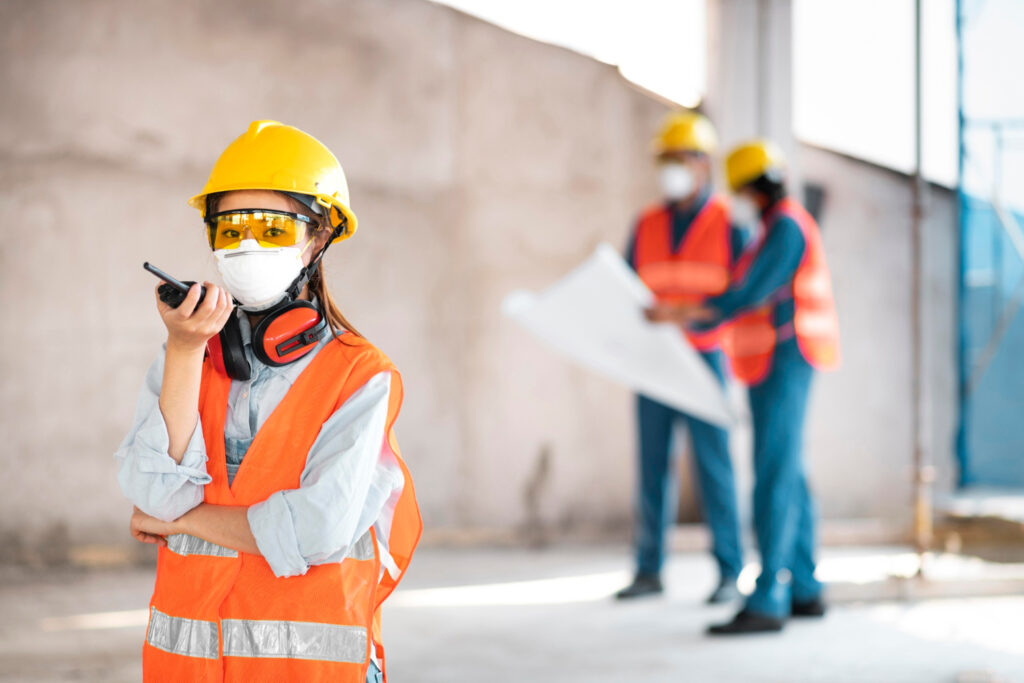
(350, 483)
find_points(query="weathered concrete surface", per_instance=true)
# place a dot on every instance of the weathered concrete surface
(480, 162)
(512, 616)
(859, 434)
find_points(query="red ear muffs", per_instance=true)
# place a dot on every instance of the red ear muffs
(283, 336)
(227, 350)
(288, 333)
(215, 350)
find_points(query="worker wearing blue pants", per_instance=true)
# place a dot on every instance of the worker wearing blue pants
(657, 497)
(684, 250)
(784, 326)
(784, 514)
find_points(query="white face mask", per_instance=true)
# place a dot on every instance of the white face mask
(258, 276)
(745, 211)
(677, 181)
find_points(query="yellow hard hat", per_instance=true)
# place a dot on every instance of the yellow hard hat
(686, 131)
(273, 156)
(751, 160)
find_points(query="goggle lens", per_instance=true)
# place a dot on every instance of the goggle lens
(269, 228)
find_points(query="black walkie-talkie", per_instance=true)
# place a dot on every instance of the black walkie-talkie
(173, 291)
(228, 349)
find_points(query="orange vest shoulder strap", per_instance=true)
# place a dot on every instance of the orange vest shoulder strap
(652, 234)
(708, 237)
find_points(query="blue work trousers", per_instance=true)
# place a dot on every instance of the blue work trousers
(657, 496)
(784, 512)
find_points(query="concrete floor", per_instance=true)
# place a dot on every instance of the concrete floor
(513, 615)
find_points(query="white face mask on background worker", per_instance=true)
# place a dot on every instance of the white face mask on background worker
(677, 181)
(682, 175)
(745, 210)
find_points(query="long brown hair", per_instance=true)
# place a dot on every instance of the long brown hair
(335, 318)
(317, 283)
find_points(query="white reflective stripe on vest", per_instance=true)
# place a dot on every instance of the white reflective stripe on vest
(362, 549)
(294, 640)
(181, 636)
(184, 544)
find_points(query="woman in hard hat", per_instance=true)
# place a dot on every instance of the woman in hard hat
(262, 458)
(684, 249)
(784, 327)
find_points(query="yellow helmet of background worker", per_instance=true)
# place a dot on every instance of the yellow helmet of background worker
(751, 160)
(273, 156)
(686, 131)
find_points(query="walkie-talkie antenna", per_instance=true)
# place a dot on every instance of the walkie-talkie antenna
(173, 282)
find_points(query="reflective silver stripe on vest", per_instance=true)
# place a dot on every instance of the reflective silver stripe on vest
(184, 544)
(180, 636)
(294, 640)
(363, 548)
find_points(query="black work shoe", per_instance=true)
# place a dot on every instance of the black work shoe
(725, 592)
(809, 608)
(643, 584)
(748, 622)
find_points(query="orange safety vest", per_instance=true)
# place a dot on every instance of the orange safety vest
(698, 270)
(222, 615)
(752, 337)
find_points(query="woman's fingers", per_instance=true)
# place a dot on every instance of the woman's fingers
(160, 305)
(143, 537)
(201, 315)
(206, 319)
(211, 301)
(193, 323)
(216, 312)
(224, 310)
(138, 516)
(188, 306)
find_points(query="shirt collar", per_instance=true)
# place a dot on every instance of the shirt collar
(702, 198)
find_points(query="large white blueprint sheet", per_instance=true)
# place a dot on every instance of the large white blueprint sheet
(594, 315)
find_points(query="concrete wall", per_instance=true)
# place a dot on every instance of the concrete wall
(860, 423)
(480, 162)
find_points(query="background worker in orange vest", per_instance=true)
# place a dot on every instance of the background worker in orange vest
(262, 458)
(684, 249)
(784, 327)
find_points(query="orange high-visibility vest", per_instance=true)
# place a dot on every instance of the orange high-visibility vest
(751, 338)
(698, 270)
(222, 615)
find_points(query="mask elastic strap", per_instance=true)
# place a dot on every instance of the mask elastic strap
(295, 288)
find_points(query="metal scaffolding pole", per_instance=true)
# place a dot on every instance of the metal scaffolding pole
(923, 470)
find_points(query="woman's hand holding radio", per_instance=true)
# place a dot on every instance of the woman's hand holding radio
(189, 325)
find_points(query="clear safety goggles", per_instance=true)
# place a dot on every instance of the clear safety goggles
(227, 229)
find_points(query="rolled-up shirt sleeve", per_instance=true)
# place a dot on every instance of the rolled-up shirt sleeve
(345, 488)
(147, 474)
